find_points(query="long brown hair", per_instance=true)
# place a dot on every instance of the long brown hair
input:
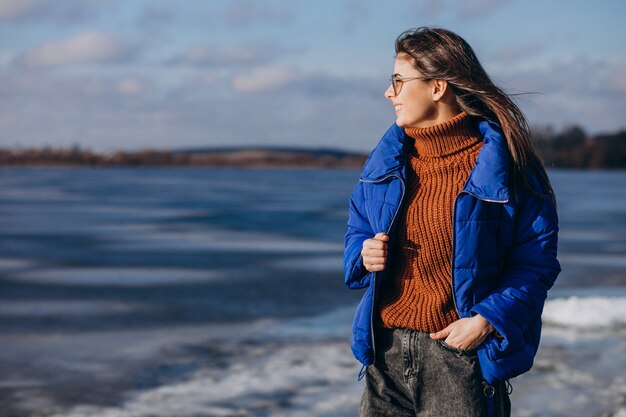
(443, 55)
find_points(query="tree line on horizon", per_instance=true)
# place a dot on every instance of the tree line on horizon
(574, 148)
(570, 148)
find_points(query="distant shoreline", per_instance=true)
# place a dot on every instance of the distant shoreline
(235, 158)
(571, 148)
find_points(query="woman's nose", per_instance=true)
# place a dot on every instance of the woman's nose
(389, 92)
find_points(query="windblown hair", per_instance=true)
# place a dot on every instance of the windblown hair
(443, 55)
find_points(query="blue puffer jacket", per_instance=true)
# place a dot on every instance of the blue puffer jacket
(504, 255)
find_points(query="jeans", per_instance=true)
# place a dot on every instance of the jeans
(414, 375)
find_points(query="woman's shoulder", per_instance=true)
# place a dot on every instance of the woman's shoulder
(387, 155)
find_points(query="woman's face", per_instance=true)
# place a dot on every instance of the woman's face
(414, 104)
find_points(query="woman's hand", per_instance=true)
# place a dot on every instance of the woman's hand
(467, 333)
(374, 252)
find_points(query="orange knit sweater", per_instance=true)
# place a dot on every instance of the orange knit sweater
(418, 293)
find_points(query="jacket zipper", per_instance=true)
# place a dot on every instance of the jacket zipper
(387, 233)
(454, 237)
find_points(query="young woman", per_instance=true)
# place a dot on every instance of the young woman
(452, 233)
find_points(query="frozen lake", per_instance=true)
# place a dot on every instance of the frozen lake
(199, 292)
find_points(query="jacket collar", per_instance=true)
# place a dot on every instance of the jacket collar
(488, 179)
(388, 157)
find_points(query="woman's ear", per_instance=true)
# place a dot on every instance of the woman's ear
(439, 88)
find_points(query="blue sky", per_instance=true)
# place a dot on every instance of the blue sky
(112, 74)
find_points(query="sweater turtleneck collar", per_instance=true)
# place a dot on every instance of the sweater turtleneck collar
(445, 138)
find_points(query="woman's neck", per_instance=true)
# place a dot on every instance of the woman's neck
(447, 138)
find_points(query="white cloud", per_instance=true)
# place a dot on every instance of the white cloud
(114, 88)
(66, 11)
(86, 47)
(130, 86)
(210, 54)
(276, 104)
(265, 78)
(53, 108)
(580, 77)
(585, 91)
(10, 9)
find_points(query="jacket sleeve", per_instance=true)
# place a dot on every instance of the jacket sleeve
(530, 271)
(359, 229)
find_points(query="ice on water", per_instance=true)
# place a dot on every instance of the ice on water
(304, 367)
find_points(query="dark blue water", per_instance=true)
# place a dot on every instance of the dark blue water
(202, 245)
(93, 259)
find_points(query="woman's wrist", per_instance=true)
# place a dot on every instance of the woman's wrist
(488, 326)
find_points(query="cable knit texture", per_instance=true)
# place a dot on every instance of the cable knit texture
(418, 293)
